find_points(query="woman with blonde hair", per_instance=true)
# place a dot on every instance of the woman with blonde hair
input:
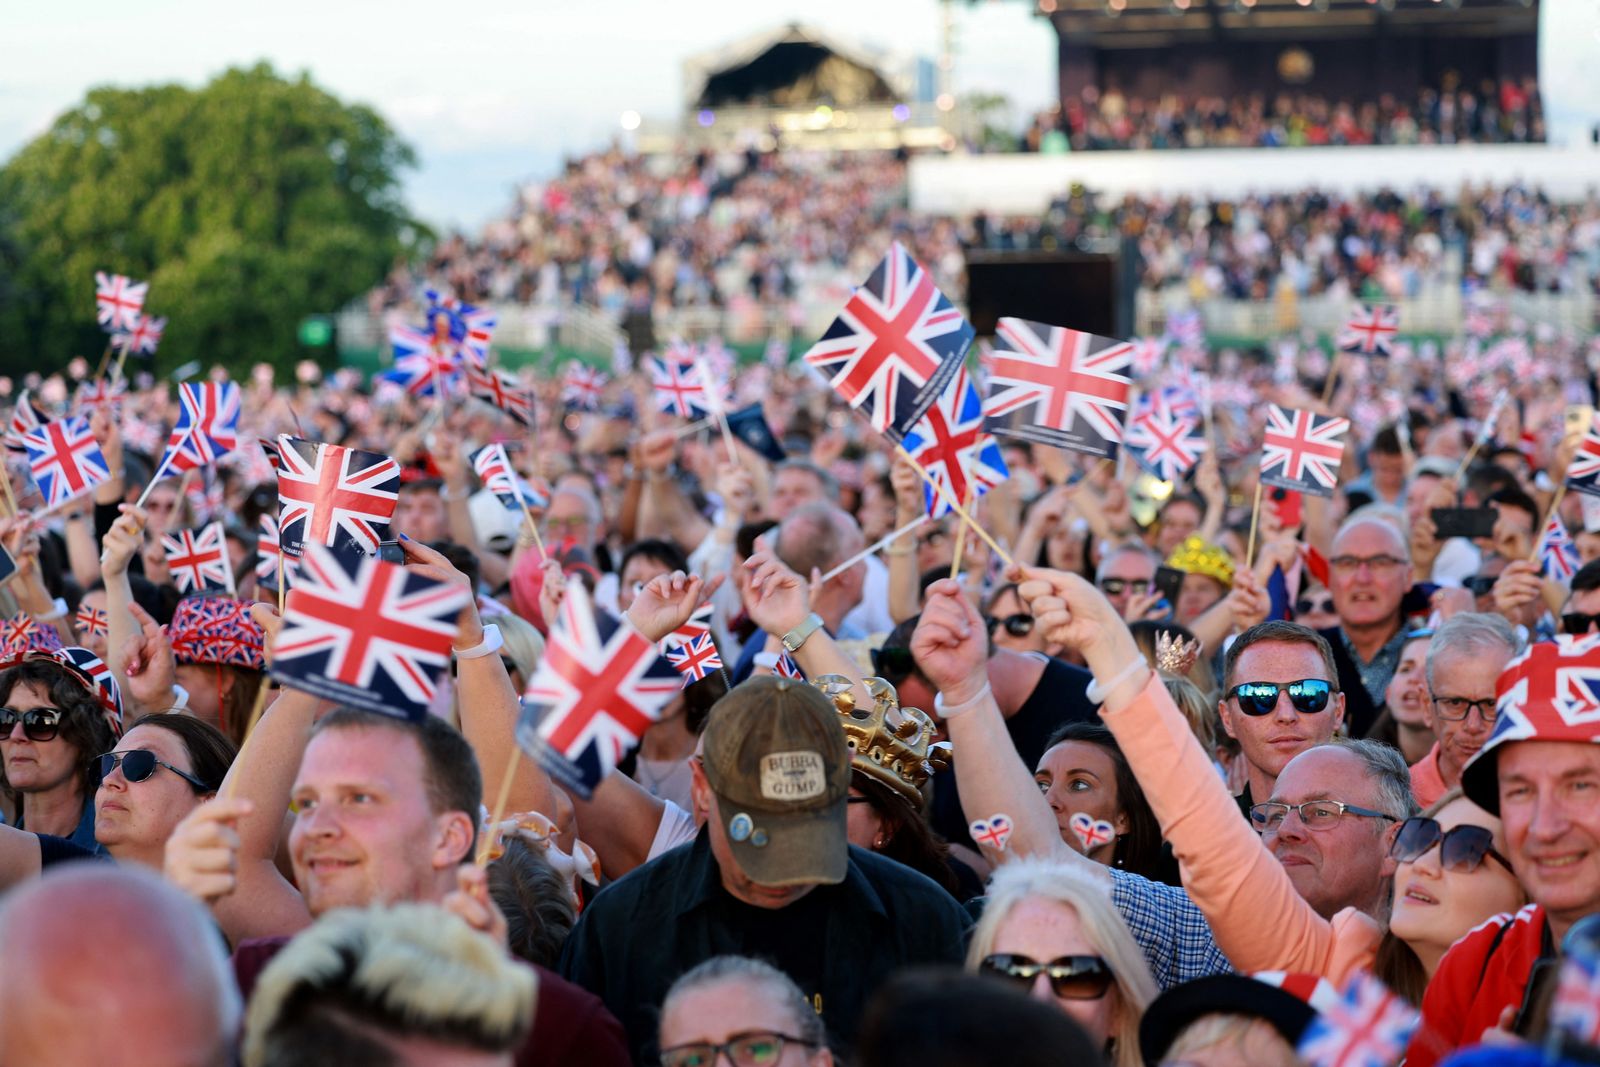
(1055, 933)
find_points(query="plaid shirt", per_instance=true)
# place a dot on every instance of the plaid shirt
(1169, 927)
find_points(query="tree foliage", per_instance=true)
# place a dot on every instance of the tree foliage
(247, 204)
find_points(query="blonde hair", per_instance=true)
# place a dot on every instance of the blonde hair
(1198, 709)
(1209, 1031)
(1061, 883)
(523, 644)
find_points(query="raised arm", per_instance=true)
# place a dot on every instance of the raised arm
(664, 510)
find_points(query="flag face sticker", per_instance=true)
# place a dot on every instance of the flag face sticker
(198, 560)
(208, 426)
(949, 443)
(366, 633)
(895, 344)
(1371, 330)
(1162, 443)
(65, 459)
(600, 685)
(118, 300)
(500, 478)
(502, 390)
(91, 621)
(1058, 386)
(1302, 450)
(335, 496)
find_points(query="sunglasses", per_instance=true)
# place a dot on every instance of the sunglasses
(1016, 625)
(1115, 586)
(38, 724)
(1576, 622)
(1461, 848)
(1071, 977)
(892, 664)
(1308, 695)
(1479, 584)
(139, 764)
(1307, 606)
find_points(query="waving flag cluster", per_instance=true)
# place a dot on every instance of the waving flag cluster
(367, 633)
(1162, 442)
(497, 387)
(118, 300)
(24, 417)
(334, 496)
(895, 345)
(600, 685)
(430, 361)
(463, 328)
(198, 560)
(1058, 386)
(949, 443)
(494, 469)
(65, 459)
(1302, 450)
(1371, 330)
(1369, 1026)
(208, 427)
(581, 386)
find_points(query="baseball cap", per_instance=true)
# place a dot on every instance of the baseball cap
(775, 756)
(1549, 693)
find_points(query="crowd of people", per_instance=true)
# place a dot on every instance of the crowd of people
(1498, 111)
(1157, 793)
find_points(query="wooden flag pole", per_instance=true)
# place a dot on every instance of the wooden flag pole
(249, 732)
(955, 506)
(281, 592)
(11, 498)
(693, 427)
(527, 515)
(486, 839)
(105, 359)
(961, 539)
(1333, 378)
(1255, 520)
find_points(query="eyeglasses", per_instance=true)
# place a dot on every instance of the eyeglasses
(754, 1048)
(1351, 564)
(1307, 606)
(1576, 622)
(1071, 977)
(573, 522)
(38, 724)
(1314, 814)
(1456, 709)
(139, 764)
(892, 663)
(1115, 586)
(1461, 848)
(1479, 584)
(932, 537)
(1308, 695)
(1016, 625)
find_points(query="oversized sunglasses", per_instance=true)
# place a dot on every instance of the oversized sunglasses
(139, 764)
(1018, 625)
(1461, 848)
(1071, 977)
(754, 1048)
(1308, 695)
(1306, 605)
(38, 724)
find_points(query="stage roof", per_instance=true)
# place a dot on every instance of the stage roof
(790, 66)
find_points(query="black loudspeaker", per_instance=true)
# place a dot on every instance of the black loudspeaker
(1076, 289)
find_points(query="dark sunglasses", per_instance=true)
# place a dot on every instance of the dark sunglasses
(1308, 695)
(1115, 586)
(1016, 625)
(1461, 848)
(1479, 584)
(892, 664)
(139, 764)
(1576, 622)
(1071, 977)
(1306, 606)
(38, 724)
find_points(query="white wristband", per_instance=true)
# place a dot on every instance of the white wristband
(1096, 692)
(950, 711)
(491, 643)
(58, 610)
(180, 697)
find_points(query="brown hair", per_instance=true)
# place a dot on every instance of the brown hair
(83, 721)
(210, 750)
(1291, 633)
(908, 838)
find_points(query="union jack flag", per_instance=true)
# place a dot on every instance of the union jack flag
(90, 621)
(1148, 352)
(1368, 1026)
(22, 633)
(334, 496)
(786, 667)
(680, 387)
(1302, 450)
(467, 328)
(140, 435)
(205, 497)
(426, 373)
(1186, 329)
(268, 554)
(695, 659)
(208, 426)
(1371, 330)
(1164, 444)
(198, 560)
(949, 443)
(364, 632)
(1552, 687)
(24, 417)
(1480, 321)
(118, 300)
(503, 391)
(1583, 474)
(65, 459)
(501, 478)
(1558, 556)
(600, 685)
(895, 345)
(582, 385)
(101, 394)
(1071, 386)
(143, 337)
(1576, 1008)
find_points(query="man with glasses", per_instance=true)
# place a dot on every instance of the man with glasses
(1369, 572)
(1124, 573)
(1464, 660)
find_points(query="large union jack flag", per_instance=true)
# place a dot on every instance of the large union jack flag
(65, 459)
(198, 560)
(1370, 330)
(1558, 556)
(895, 345)
(118, 300)
(268, 555)
(361, 631)
(142, 337)
(1368, 1026)
(334, 496)
(680, 387)
(208, 427)
(24, 417)
(1583, 473)
(949, 443)
(1163, 443)
(1552, 690)
(497, 387)
(582, 385)
(428, 371)
(1058, 386)
(465, 328)
(600, 685)
(494, 469)
(1302, 450)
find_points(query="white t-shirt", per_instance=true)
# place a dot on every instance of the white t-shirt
(676, 828)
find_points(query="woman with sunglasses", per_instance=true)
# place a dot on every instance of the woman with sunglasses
(740, 1011)
(1011, 624)
(1056, 935)
(51, 729)
(163, 768)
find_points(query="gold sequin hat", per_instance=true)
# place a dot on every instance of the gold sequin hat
(891, 745)
(1196, 556)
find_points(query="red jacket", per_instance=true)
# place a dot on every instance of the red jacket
(1483, 974)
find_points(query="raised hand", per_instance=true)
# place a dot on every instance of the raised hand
(950, 644)
(202, 855)
(266, 616)
(1074, 614)
(666, 602)
(777, 598)
(145, 661)
(122, 542)
(656, 450)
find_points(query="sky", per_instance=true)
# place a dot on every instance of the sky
(497, 92)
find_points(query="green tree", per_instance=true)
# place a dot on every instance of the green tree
(246, 204)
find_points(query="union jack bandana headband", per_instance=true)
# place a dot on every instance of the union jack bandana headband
(87, 669)
(1549, 693)
(216, 629)
(22, 633)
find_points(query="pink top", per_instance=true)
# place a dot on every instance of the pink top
(1260, 922)
(1427, 783)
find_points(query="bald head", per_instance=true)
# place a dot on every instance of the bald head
(111, 966)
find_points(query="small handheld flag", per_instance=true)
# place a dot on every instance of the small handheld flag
(1058, 387)
(118, 300)
(334, 496)
(1558, 556)
(1162, 443)
(581, 386)
(494, 468)
(948, 443)
(501, 389)
(198, 560)
(208, 426)
(1368, 1026)
(1371, 330)
(1302, 450)
(65, 459)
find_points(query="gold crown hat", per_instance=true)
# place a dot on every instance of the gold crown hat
(892, 745)
(1196, 556)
